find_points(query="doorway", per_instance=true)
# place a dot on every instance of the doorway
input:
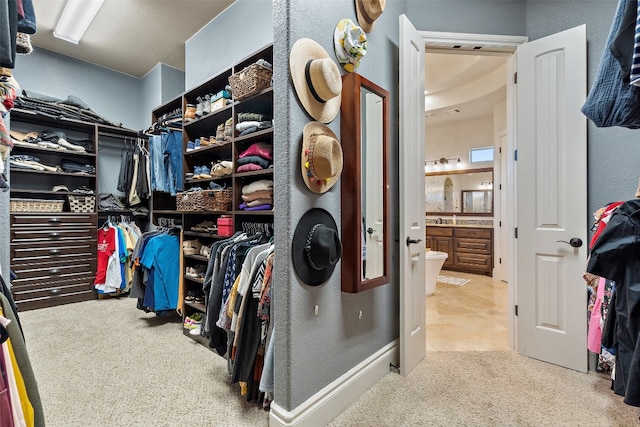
(465, 111)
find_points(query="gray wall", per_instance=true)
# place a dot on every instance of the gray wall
(171, 82)
(112, 95)
(152, 98)
(240, 30)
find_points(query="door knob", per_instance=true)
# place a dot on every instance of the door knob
(370, 230)
(574, 242)
(412, 241)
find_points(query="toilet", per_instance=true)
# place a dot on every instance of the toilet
(433, 263)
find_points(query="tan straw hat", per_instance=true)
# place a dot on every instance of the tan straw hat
(368, 11)
(321, 157)
(316, 79)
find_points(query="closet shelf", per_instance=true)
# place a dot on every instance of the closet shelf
(198, 257)
(252, 213)
(264, 172)
(37, 149)
(196, 305)
(194, 279)
(208, 149)
(78, 175)
(202, 234)
(195, 181)
(255, 135)
(167, 212)
(207, 117)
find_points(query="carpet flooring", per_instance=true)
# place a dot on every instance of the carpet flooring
(105, 363)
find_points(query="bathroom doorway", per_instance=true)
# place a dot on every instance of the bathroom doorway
(465, 109)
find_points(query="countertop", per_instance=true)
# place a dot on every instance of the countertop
(460, 225)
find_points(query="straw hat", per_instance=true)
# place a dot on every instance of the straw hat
(368, 11)
(349, 44)
(316, 247)
(321, 157)
(316, 79)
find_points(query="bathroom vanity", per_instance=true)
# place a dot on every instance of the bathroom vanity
(470, 247)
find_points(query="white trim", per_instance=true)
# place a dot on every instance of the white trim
(469, 42)
(329, 402)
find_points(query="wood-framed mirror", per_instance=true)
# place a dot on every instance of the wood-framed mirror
(364, 130)
(459, 192)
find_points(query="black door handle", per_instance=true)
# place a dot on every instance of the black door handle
(574, 242)
(412, 241)
(370, 230)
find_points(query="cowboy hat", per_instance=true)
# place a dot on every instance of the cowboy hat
(349, 44)
(321, 157)
(368, 11)
(316, 247)
(316, 79)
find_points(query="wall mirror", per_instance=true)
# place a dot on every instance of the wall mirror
(364, 184)
(459, 192)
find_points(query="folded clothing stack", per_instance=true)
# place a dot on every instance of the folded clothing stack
(257, 157)
(252, 122)
(56, 140)
(110, 202)
(22, 161)
(257, 196)
(77, 167)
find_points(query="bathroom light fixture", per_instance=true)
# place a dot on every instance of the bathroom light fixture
(442, 161)
(76, 18)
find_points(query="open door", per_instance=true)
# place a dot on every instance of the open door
(551, 207)
(412, 228)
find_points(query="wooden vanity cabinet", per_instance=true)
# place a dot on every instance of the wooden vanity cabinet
(470, 249)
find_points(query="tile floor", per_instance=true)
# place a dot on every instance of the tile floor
(471, 317)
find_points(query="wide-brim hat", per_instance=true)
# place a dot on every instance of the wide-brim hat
(316, 247)
(316, 79)
(349, 44)
(368, 11)
(320, 157)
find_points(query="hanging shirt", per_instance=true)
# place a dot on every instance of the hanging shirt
(162, 257)
(106, 247)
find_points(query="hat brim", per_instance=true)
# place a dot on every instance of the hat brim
(304, 271)
(364, 24)
(302, 51)
(308, 130)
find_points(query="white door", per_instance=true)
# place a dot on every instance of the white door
(501, 225)
(411, 166)
(552, 199)
(374, 219)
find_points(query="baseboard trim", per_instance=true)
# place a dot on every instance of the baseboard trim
(329, 402)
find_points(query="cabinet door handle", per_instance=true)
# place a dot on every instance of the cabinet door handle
(54, 220)
(54, 235)
(54, 271)
(54, 251)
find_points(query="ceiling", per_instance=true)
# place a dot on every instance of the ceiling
(130, 36)
(462, 86)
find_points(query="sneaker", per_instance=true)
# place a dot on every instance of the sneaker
(205, 172)
(197, 170)
(205, 251)
(191, 146)
(196, 330)
(191, 247)
(199, 107)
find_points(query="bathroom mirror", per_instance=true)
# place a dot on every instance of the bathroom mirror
(459, 192)
(364, 184)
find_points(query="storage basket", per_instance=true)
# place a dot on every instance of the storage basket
(249, 81)
(35, 205)
(81, 203)
(205, 200)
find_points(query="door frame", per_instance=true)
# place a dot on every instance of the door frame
(474, 44)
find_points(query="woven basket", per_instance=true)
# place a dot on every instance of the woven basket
(35, 205)
(81, 203)
(250, 81)
(205, 200)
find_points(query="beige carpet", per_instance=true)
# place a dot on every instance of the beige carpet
(105, 363)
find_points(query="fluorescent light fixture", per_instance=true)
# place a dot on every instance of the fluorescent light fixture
(76, 18)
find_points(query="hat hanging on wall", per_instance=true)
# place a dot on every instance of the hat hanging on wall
(316, 247)
(368, 11)
(350, 44)
(316, 79)
(321, 157)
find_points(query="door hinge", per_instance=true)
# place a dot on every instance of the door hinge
(499, 186)
(500, 150)
(515, 77)
(516, 310)
(516, 232)
(499, 260)
(515, 154)
(499, 223)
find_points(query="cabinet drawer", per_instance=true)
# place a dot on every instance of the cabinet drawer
(477, 246)
(439, 231)
(474, 233)
(21, 253)
(57, 234)
(50, 282)
(54, 220)
(63, 294)
(475, 261)
(52, 270)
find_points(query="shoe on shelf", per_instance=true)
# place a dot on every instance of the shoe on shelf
(206, 104)
(204, 141)
(199, 298)
(205, 172)
(190, 113)
(191, 146)
(199, 107)
(196, 330)
(191, 247)
(191, 296)
(205, 251)
(197, 170)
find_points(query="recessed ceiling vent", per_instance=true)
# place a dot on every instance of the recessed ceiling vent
(429, 114)
(452, 111)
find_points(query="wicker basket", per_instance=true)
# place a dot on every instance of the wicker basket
(205, 200)
(249, 81)
(35, 205)
(81, 203)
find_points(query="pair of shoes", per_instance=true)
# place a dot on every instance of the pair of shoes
(215, 186)
(191, 272)
(203, 226)
(193, 321)
(193, 145)
(205, 251)
(201, 172)
(190, 113)
(222, 168)
(204, 105)
(191, 296)
(191, 247)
